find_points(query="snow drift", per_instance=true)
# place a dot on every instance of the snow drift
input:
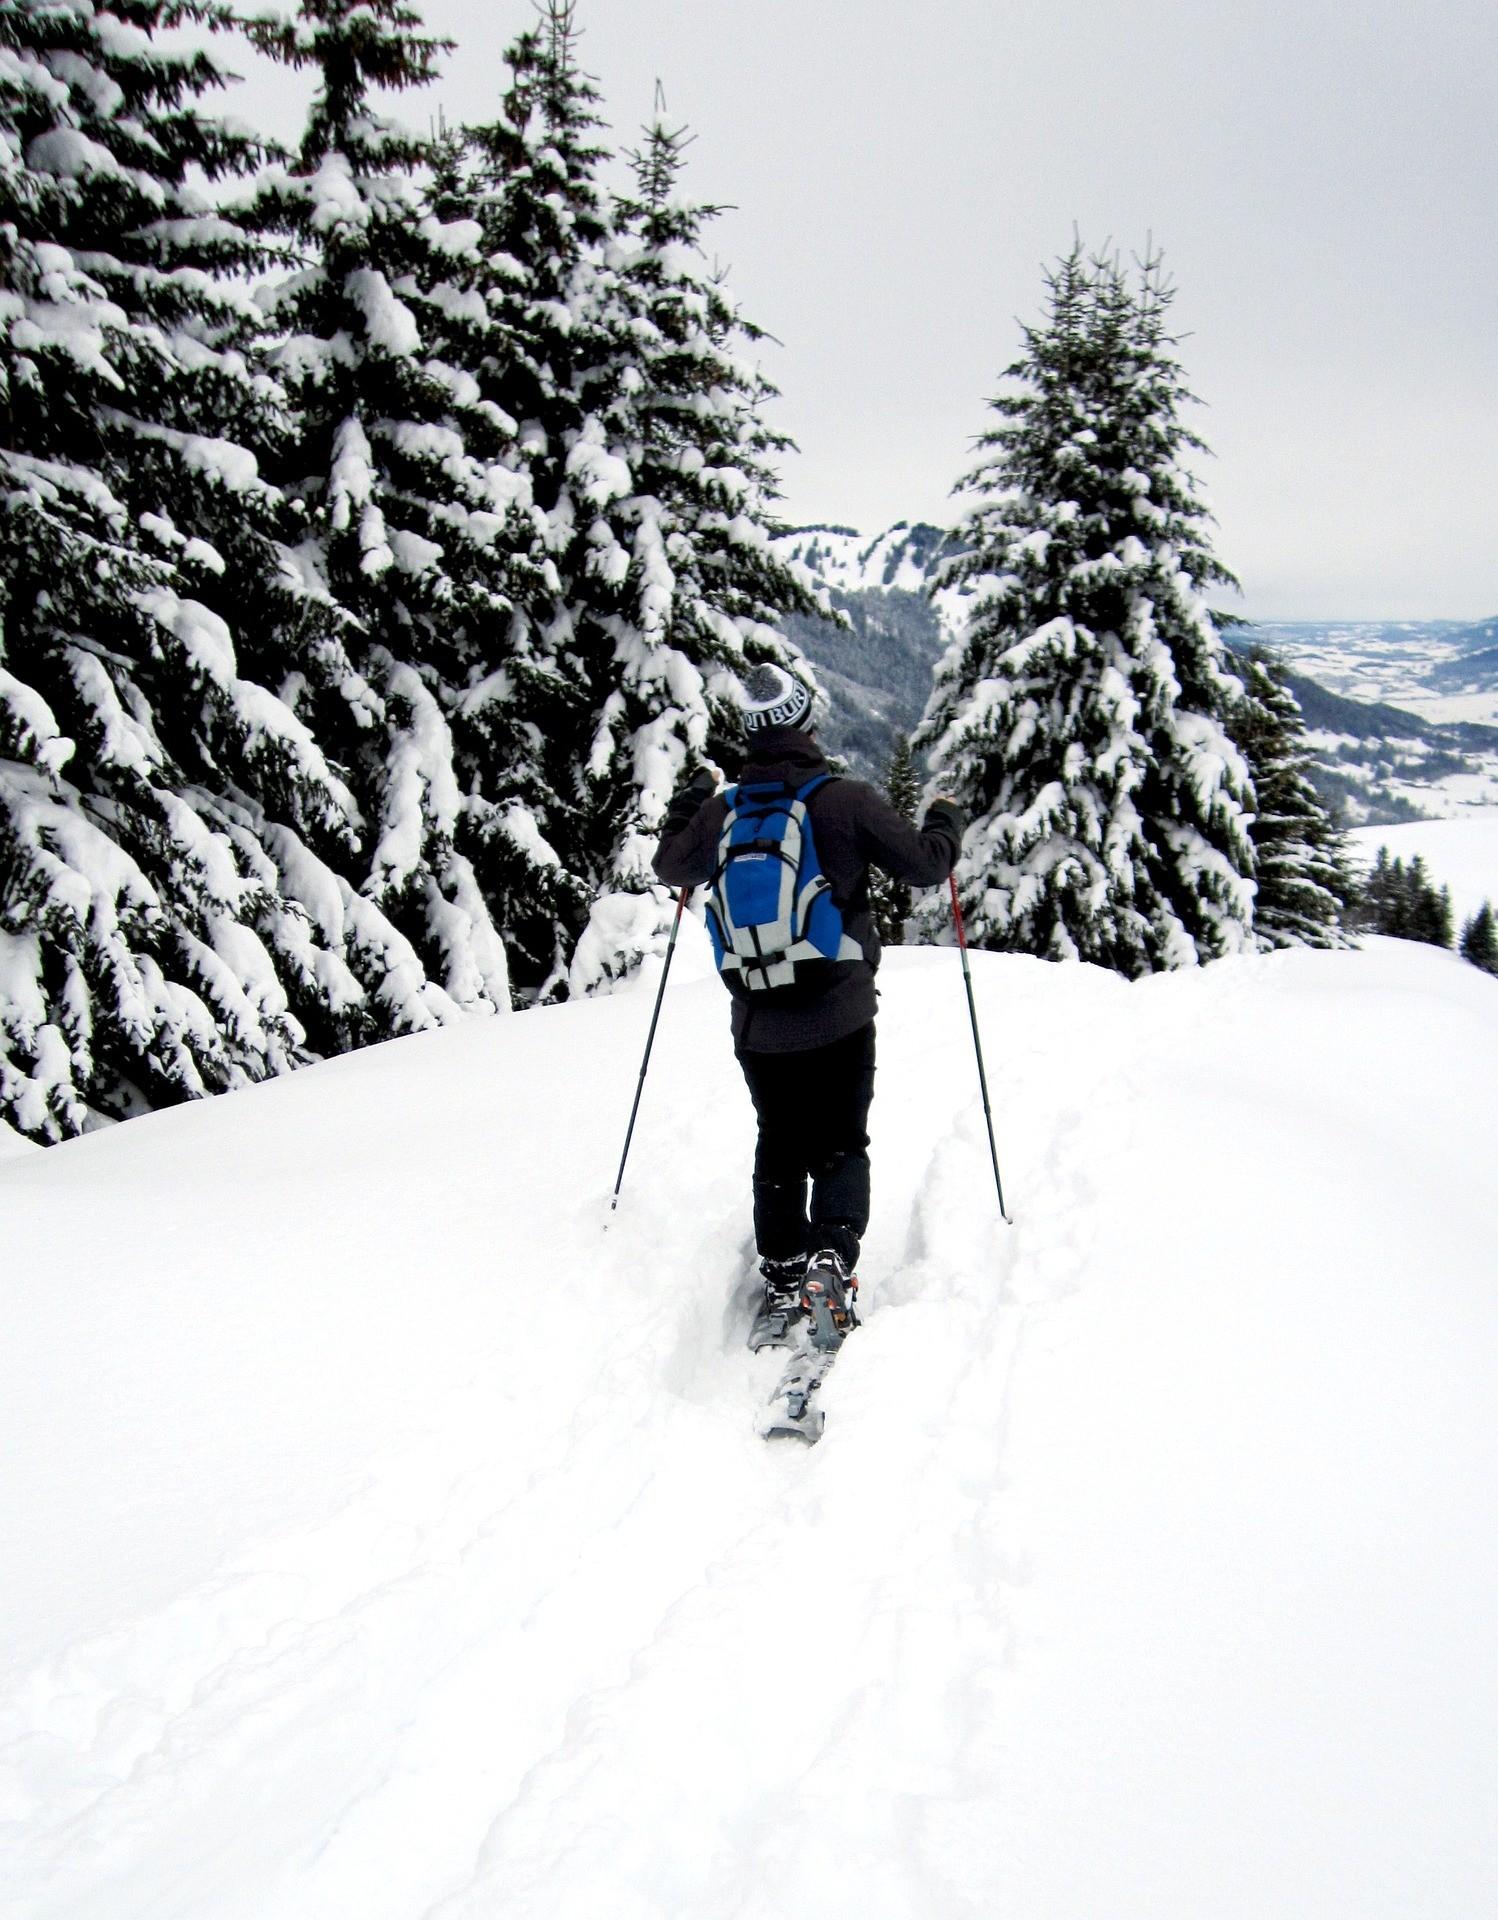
(384, 1538)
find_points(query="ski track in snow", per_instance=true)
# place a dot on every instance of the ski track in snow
(585, 1644)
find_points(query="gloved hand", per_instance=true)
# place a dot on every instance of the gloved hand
(689, 796)
(944, 811)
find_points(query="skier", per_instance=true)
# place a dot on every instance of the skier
(806, 1044)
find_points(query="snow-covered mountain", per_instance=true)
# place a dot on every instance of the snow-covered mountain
(1403, 715)
(383, 1538)
(904, 557)
(877, 672)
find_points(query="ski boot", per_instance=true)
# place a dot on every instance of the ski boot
(828, 1290)
(781, 1306)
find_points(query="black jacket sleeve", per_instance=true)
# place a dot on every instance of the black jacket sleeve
(921, 856)
(688, 850)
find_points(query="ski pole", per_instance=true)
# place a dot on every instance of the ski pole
(681, 901)
(967, 975)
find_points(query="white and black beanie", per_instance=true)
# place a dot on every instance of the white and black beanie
(774, 698)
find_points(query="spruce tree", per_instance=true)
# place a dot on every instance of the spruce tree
(411, 488)
(1430, 908)
(1378, 904)
(552, 302)
(1480, 939)
(701, 588)
(1080, 717)
(1403, 904)
(649, 467)
(153, 791)
(1300, 863)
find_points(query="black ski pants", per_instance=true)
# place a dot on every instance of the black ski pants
(813, 1112)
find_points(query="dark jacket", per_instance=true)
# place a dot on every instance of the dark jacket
(855, 828)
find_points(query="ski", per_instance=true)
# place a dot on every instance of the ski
(812, 1319)
(794, 1408)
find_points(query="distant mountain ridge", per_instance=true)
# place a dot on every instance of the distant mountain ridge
(1471, 672)
(904, 557)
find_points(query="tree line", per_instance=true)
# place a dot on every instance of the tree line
(386, 527)
(1404, 903)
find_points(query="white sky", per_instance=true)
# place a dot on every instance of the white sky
(1322, 178)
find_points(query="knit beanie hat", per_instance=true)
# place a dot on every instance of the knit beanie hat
(774, 698)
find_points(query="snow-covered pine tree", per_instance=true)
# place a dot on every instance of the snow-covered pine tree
(415, 498)
(510, 700)
(889, 898)
(1380, 897)
(1430, 907)
(1480, 939)
(649, 461)
(1403, 903)
(1300, 861)
(152, 794)
(700, 588)
(528, 178)
(1079, 718)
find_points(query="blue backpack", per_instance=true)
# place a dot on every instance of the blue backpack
(771, 909)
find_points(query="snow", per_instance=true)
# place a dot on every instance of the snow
(386, 1538)
(105, 97)
(849, 561)
(119, 40)
(231, 466)
(13, 1144)
(202, 634)
(389, 322)
(75, 329)
(122, 740)
(600, 475)
(67, 153)
(36, 722)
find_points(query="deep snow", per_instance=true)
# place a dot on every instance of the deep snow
(385, 1539)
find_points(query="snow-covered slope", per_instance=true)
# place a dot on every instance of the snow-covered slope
(384, 1540)
(12, 1142)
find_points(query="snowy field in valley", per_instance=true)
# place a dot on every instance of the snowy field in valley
(1401, 662)
(386, 1541)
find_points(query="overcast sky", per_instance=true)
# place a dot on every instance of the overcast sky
(1322, 178)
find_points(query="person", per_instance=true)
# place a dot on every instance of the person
(806, 1049)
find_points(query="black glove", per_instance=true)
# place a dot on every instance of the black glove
(943, 812)
(688, 797)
